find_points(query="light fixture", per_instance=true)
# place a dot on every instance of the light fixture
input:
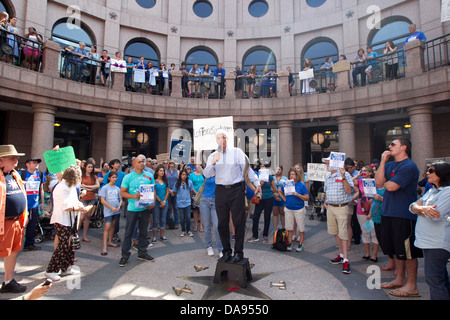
(132, 131)
(142, 137)
(407, 126)
(57, 124)
(318, 138)
(328, 132)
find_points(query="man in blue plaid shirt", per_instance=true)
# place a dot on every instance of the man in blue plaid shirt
(338, 193)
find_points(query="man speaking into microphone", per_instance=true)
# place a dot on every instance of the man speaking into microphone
(230, 165)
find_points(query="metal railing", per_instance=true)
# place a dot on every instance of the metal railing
(20, 51)
(437, 53)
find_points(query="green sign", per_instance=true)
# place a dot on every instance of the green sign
(59, 161)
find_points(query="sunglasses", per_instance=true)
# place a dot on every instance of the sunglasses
(393, 144)
(431, 170)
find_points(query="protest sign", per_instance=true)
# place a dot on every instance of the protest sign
(60, 160)
(289, 187)
(139, 76)
(370, 188)
(317, 171)
(180, 150)
(147, 192)
(205, 131)
(337, 160)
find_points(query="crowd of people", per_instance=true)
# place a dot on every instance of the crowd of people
(397, 218)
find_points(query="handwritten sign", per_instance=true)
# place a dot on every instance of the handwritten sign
(118, 66)
(59, 161)
(370, 189)
(337, 160)
(180, 150)
(317, 171)
(205, 131)
(308, 74)
(162, 157)
(264, 175)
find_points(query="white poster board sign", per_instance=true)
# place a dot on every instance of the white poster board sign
(118, 66)
(337, 160)
(445, 11)
(139, 76)
(308, 74)
(289, 187)
(205, 131)
(317, 171)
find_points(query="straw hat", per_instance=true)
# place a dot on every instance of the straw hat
(8, 150)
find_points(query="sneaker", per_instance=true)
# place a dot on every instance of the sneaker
(182, 234)
(300, 248)
(31, 248)
(70, 271)
(210, 251)
(52, 276)
(252, 239)
(289, 247)
(146, 257)
(190, 234)
(154, 240)
(346, 268)
(163, 239)
(337, 260)
(123, 262)
(265, 239)
(12, 287)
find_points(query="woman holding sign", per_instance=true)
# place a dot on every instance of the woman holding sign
(65, 207)
(364, 215)
(294, 193)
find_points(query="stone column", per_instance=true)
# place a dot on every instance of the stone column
(177, 76)
(415, 57)
(346, 125)
(421, 121)
(283, 84)
(50, 58)
(114, 137)
(230, 80)
(118, 81)
(43, 131)
(173, 125)
(285, 144)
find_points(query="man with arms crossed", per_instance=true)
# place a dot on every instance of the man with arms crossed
(400, 179)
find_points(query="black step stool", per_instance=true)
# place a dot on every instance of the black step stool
(240, 271)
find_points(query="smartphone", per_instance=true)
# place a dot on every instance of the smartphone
(47, 282)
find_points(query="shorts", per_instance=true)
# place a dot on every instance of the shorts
(369, 68)
(298, 216)
(88, 202)
(34, 52)
(397, 236)
(337, 218)
(11, 241)
(112, 218)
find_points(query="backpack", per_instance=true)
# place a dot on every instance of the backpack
(280, 241)
(171, 223)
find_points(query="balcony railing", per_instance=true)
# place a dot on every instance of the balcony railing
(20, 51)
(437, 53)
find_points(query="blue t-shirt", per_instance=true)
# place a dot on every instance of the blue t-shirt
(266, 189)
(132, 182)
(210, 187)
(160, 191)
(184, 194)
(372, 61)
(294, 202)
(120, 176)
(172, 177)
(112, 197)
(406, 174)
(197, 180)
(32, 186)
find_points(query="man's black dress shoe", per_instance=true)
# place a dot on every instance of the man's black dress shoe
(237, 257)
(225, 257)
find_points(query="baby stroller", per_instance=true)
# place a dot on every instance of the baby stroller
(318, 206)
(44, 230)
(96, 221)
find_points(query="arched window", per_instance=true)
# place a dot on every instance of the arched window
(146, 4)
(141, 47)
(70, 32)
(5, 6)
(395, 29)
(261, 57)
(315, 3)
(317, 50)
(202, 56)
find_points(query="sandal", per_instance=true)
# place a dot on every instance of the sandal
(104, 253)
(403, 294)
(390, 285)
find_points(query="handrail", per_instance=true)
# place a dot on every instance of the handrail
(20, 51)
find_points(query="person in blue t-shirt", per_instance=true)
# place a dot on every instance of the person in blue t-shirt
(414, 35)
(183, 191)
(33, 180)
(397, 233)
(371, 58)
(295, 207)
(136, 213)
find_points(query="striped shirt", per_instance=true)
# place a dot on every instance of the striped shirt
(335, 190)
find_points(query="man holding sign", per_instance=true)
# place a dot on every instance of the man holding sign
(134, 188)
(338, 189)
(230, 167)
